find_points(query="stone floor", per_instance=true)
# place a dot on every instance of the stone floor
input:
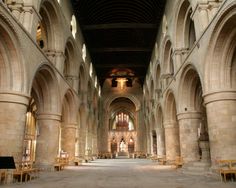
(122, 173)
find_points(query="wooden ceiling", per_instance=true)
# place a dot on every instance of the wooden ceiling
(119, 34)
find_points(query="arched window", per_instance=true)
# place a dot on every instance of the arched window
(73, 26)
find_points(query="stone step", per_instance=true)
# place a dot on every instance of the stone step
(122, 157)
(196, 168)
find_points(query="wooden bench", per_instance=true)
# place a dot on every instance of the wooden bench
(25, 171)
(226, 167)
(3, 176)
(60, 163)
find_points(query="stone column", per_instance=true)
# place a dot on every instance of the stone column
(82, 142)
(68, 139)
(188, 131)
(178, 59)
(12, 124)
(94, 147)
(59, 61)
(172, 140)
(30, 19)
(149, 142)
(203, 16)
(160, 142)
(221, 117)
(48, 140)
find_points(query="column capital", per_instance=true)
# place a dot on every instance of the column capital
(219, 96)
(49, 116)
(70, 126)
(14, 97)
(189, 115)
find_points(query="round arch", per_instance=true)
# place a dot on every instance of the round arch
(171, 127)
(45, 90)
(220, 61)
(185, 31)
(51, 37)
(70, 66)
(12, 72)
(190, 90)
(167, 65)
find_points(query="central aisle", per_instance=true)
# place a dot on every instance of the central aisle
(122, 173)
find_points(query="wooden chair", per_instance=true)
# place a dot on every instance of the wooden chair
(226, 167)
(3, 176)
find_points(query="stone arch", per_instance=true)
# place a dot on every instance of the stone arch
(136, 102)
(70, 65)
(192, 116)
(170, 107)
(190, 90)
(220, 61)
(220, 88)
(12, 72)
(171, 127)
(50, 26)
(69, 123)
(167, 59)
(46, 94)
(185, 30)
(45, 90)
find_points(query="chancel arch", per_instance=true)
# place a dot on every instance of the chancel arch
(171, 127)
(122, 125)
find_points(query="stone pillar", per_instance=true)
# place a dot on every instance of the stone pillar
(160, 142)
(12, 124)
(203, 16)
(60, 61)
(188, 131)
(172, 140)
(149, 142)
(68, 139)
(221, 117)
(82, 142)
(94, 147)
(178, 59)
(48, 140)
(30, 19)
(205, 148)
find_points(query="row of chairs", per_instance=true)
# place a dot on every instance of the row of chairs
(178, 162)
(25, 171)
